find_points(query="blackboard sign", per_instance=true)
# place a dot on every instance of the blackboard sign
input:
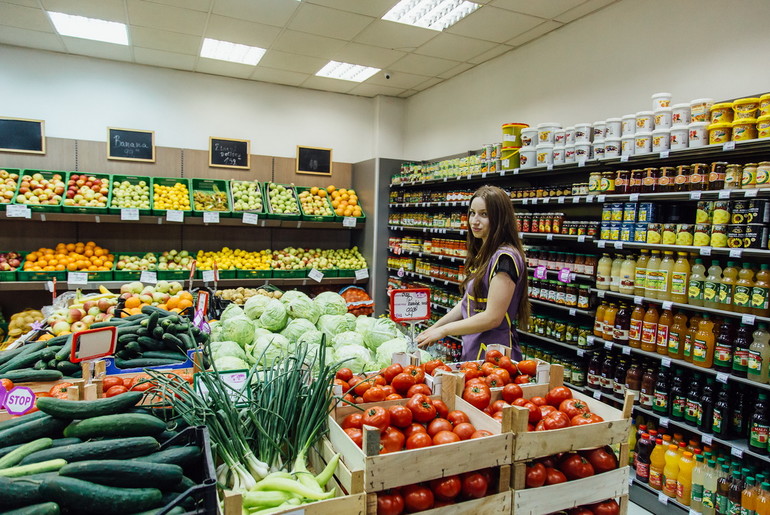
(130, 145)
(22, 135)
(229, 153)
(314, 160)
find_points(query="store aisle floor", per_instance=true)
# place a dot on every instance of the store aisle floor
(635, 509)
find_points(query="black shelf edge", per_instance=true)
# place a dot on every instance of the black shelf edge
(426, 277)
(432, 230)
(440, 257)
(572, 311)
(703, 251)
(555, 273)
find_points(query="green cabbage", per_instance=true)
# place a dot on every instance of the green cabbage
(221, 349)
(238, 329)
(385, 351)
(302, 307)
(292, 295)
(215, 326)
(259, 331)
(274, 316)
(270, 347)
(330, 303)
(332, 325)
(255, 306)
(355, 357)
(347, 338)
(230, 363)
(313, 360)
(380, 331)
(363, 323)
(297, 328)
(313, 337)
(232, 310)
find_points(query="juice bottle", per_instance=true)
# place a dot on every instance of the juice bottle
(759, 426)
(635, 328)
(608, 327)
(698, 477)
(640, 273)
(749, 497)
(727, 286)
(759, 355)
(723, 489)
(604, 272)
(653, 280)
(741, 351)
(760, 293)
(641, 429)
(689, 338)
(692, 405)
(711, 286)
(671, 471)
(617, 263)
(723, 347)
(647, 391)
(650, 329)
(646, 446)
(676, 334)
(622, 324)
(627, 275)
(684, 478)
(763, 501)
(599, 320)
(738, 420)
(709, 488)
(703, 344)
(677, 399)
(695, 284)
(743, 288)
(680, 278)
(722, 413)
(706, 413)
(666, 271)
(661, 394)
(734, 495)
(664, 326)
(657, 464)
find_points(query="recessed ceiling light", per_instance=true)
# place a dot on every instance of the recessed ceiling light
(430, 14)
(233, 52)
(89, 28)
(347, 71)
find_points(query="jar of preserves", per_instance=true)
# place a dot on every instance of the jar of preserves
(583, 333)
(749, 176)
(650, 180)
(682, 178)
(584, 297)
(717, 175)
(594, 182)
(556, 223)
(733, 175)
(571, 295)
(621, 181)
(570, 333)
(635, 181)
(607, 184)
(698, 176)
(666, 180)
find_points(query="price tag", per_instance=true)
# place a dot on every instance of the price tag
(572, 312)
(662, 498)
(208, 276)
(665, 362)
(730, 145)
(484, 175)
(445, 179)
(546, 200)
(18, 211)
(211, 217)
(600, 293)
(250, 218)
(549, 168)
(597, 395)
(581, 162)
(722, 377)
(589, 199)
(525, 201)
(316, 275)
(634, 197)
(736, 253)
(619, 245)
(148, 277)
(738, 453)
(515, 171)
(541, 272)
(664, 421)
(549, 237)
(174, 216)
(724, 194)
(695, 195)
(748, 319)
(626, 351)
(601, 244)
(77, 277)
(638, 300)
(575, 200)
(129, 213)
(590, 340)
(707, 439)
(565, 275)
(751, 193)
(705, 251)
(608, 345)
(664, 154)
(349, 221)
(19, 400)
(624, 159)
(560, 200)
(667, 305)
(362, 274)
(581, 238)
(502, 173)
(601, 198)
(300, 511)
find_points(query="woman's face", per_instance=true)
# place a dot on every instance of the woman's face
(478, 219)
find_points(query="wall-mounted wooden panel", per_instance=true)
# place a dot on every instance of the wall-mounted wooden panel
(29, 236)
(92, 157)
(60, 155)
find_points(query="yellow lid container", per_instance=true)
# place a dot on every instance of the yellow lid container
(512, 134)
(722, 112)
(764, 104)
(720, 133)
(763, 126)
(746, 107)
(744, 129)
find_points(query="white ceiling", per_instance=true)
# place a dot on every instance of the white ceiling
(301, 37)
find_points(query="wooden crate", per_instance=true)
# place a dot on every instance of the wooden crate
(381, 472)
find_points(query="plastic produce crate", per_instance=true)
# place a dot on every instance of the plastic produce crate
(290, 274)
(3, 201)
(315, 218)
(48, 174)
(128, 275)
(11, 276)
(359, 219)
(223, 274)
(282, 216)
(90, 209)
(254, 184)
(131, 179)
(253, 274)
(211, 186)
(168, 181)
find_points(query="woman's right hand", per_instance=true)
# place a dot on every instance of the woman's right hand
(429, 336)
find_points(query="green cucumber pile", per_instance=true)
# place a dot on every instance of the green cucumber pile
(97, 457)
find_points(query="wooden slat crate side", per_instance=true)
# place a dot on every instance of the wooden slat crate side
(351, 481)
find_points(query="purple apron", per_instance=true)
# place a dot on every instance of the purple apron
(474, 345)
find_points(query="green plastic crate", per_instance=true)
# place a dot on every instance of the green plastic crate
(131, 179)
(11, 276)
(211, 185)
(90, 209)
(289, 274)
(359, 219)
(282, 216)
(315, 218)
(22, 275)
(346, 272)
(173, 275)
(170, 181)
(128, 275)
(99, 276)
(223, 274)
(330, 272)
(255, 184)
(253, 274)
(3, 201)
(48, 174)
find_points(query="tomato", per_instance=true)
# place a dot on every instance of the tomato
(374, 394)
(527, 367)
(419, 388)
(389, 390)
(608, 507)
(494, 381)
(422, 408)
(356, 435)
(359, 400)
(379, 380)
(110, 381)
(488, 368)
(418, 440)
(602, 459)
(457, 417)
(504, 375)
(417, 372)
(345, 386)
(345, 374)
(558, 395)
(586, 418)
(443, 367)
(475, 380)
(573, 407)
(414, 427)
(417, 498)
(534, 412)
(362, 386)
(390, 503)
(378, 417)
(446, 488)
(141, 383)
(393, 397)
(475, 485)
(353, 420)
(498, 405)
(556, 420)
(400, 416)
(477, 395)
(354, 381)
(59, 390)
(347, 398)
(441, 408)
(7, 384)
(554, 476)
(402, 382)
(575, 466)
(540, 426)
(523, 379)
(506, 364)
(392, 371)
(472, 371)
(535, 475)
(437, 425)
(521, 401)
(392, 440)
(538, 401)
(443, 437)
(546, 410)
(480, 433)
(431, 365)
(464, 430)
(113, 391)
(493, 356)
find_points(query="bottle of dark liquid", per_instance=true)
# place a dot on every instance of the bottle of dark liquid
(642, 429)
(678, 397)
(646, 445)
(723, 490)
(692, 406)
(706, 413)
(661, 394)
(619, 378)
(739, 419)
(723, 413)
(723, 348)
(759, 426)
(634, 376)
(607, 374)
(622, 324)
(734, 494)
(741, 351)
(647, 392)
(593, 377)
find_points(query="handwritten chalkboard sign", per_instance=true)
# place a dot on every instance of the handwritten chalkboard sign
(22, 135)
(229, 153)
(314, 160)
(130, 145)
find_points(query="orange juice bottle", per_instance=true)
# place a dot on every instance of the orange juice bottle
(684, 478)
(703, 344)
(657, 464)
(671, 471)
(650, 329)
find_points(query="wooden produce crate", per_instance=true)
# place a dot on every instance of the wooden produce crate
(381, 472)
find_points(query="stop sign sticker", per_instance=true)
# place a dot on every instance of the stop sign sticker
(19, 400)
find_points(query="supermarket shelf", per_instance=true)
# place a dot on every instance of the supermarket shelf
(445, 203)
(572, 311)
(649, 498)
(553, 342)
(440, 257)
(440, 307)
(574, 275)
(550, 236)
(431, 230)
(426, 277)
(703, 251)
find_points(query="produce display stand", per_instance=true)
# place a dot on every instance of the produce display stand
(134, 180)
(281, 216)
(88, 209)
(16, 192)
(211, 185)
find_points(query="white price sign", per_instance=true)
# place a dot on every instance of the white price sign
(665, 362)
(619, 245)
(722, 377)
(77, 277)
(634, 197)
(664, 421)
(148, 277)
(738, 453)
(608, 345)
(724, 194)
(736, 253)
(695, 195)
(17, 211)
(624, 159)
(707, 439)
(664, 154)
(627, 351)
(662, 498)
(129, 213)
(705, 251)
(748, 319)
(601, 198)
(560, 200)
(410, 304)
(208, 276)
(600, 293)
(362, 274)
(601, 244)
(250, 218)
(730, 145)
(667, 305)
(751, 193)
(597, 395)
(638, 300)
(173, 215)
(581, 238)
(211, 217)
(316, 275)
(349, 221)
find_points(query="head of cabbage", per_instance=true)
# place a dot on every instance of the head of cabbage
(363, 323)
(274, 316)
(221, 349)
(355, 357)
(384, 354)
(302, 307)
(255, 306)
(330, 303)
(332, 325)
(380, 331)
(314, 337)
(296, 328)
(230, 363)
(232, 310)
(347, 338)
(270, 347)
(291, 295)
(237, 329)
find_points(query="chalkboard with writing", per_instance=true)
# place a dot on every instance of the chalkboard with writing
(130, 145)
(314, 160)
(22, 135)
(229, 153)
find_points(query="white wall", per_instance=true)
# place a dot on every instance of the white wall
(80, 97)
(606, 65)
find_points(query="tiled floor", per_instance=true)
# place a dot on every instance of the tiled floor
(635, 509)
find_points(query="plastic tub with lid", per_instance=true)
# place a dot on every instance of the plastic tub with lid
(510, 158)
(763, 126)
(545, 132)
(697, 134)
(612, 147)
(560, 137)
(642, 143)
(569, 136)
(661, 140)
(661, 100)
(645, 121)
(599, 130)
(764, 105)
(744, 129)
(722, 112)
(626, 146)
(628, 125)
(679, 137)
(512, 134)
(720, 133)
(582, 152)
(569, 154)
(699, 109)
(528, 157)
(582, 133)
(614, 128)
(680, 114)
(558, 154)
(544, 154)
(529, 137)
(662, 118)
(597, 148)
(746, 107)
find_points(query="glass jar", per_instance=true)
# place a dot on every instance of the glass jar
(733, 175)
(621, 181)
(650, 180)
(584, 297)
(698, 177)
(749, 176)
(666, 180)
(635, 181)
(717, 175)
(682, 178)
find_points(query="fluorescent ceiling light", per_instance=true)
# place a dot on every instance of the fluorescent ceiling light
(347, 71)
(233, 52)
(430, 14)
(89, 28)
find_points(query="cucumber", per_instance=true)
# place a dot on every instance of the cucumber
(133, 348)
(183, 456)
(27, 357)
(165, 436)
(158, 332)
(8, 355)
(67, 368)
(164, 354)
(127, 338)
(184, 484)
(122, 448)
(172, 341)
(46, 508)
(62, 339)
(176, 510)
(150, 343)
(70, 410)
(64, 353)
(153, 321)
(144, 363)
(113, 322)
(17, 493)
(15, 456)
(52, 364)
(17, 421)
(125, 473)
(149, 310)
(138, 316)
(29, 375)
(142, 331)
(188, 342)
(40, 365)
(42, 427)
(120, 425)
(33, 468)
(88, 498)
(50, 352)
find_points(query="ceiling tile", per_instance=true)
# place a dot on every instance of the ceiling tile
(26, 3)
(196, 5)
(372, 90)
(31, 39)
(493, 24)
(292, 62)
(420, 64)
(270, 12)
(148, 14)
(153, 57)
(323, 21)
(278, 76)
(548, 9)
(97, 49)
(25, 18)
(428, 84)
(241, 31)
(540, 30)
(450, 46)
(396, 36)
(583, 9)
(399, 80)
(376, 8)
(408, 93)
(112, 10)
(491, 54)
(368, 55)
(326, 84)
(460, 68)
(217, 67)
(309, 44)
(163, 40)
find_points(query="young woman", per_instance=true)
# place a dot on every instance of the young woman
(495, 286)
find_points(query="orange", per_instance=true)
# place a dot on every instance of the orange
(322, 193)
(89, 252)
(331, 189)
(59, 267)
(133, 302)
(186, 295)
(162, 306)
(172, 303)
(70, 247)
(185, 303)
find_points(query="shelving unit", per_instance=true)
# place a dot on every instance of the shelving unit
(432, 230)
(703, 251)
(571, 311)
(575, 276)
(440, 257)
(421, 276)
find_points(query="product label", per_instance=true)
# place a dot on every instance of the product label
(687, 346)
(723, 355)
(605, 383)
(618, 388)
(656, 280)
(758, 435)
(679, 283)
(661, 340)
(759, 297)
(725, 293)
(709, 498)
(716, 425)
(656, 479)
(699, 349)
(640, 277)
(742, 296)
(692, 410)
(660, 401)
(649, 330)
(598, 326)
(674, 338)
(635, 330)
(669, 484)
(645, 400)
(696, 493)
(626, 282)
(695, 289)
(619, 335)
(721, 504)
(679, 490)
(593, 380)
(733, 508)
(741, 360)
(755, 362)
(678, 407)
(642, 470)
(710, 290)
(737, 422)
(570, 299)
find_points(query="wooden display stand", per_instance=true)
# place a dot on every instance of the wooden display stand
(88, 388)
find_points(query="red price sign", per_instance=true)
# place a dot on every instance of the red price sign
(93, 343)
(410, 304)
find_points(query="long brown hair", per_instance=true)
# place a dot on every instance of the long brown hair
(502, 231)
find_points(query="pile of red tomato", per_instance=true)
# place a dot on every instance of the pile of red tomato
(569, 466)
(437, 493)
(608, 507)
(390, 383)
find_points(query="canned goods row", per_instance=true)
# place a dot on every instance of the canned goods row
(430, 220)
(549, 191)
(417, 196)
